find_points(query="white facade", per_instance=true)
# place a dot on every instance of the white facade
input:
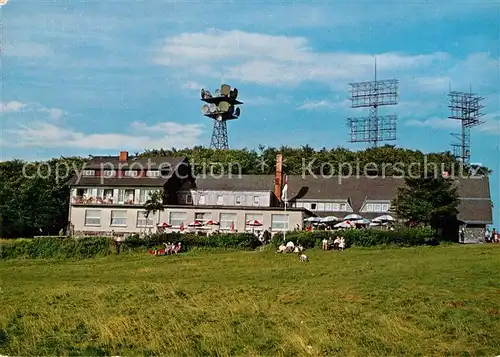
(375, 206)
(225, 198)
(112, 195)
(317, 206)
(130, 219)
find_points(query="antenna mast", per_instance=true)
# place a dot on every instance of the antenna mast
(220, 107)
(374, 128)
(465, 107)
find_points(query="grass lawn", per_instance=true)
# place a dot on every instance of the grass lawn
(364, 302)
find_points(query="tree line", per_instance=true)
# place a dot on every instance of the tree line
(34, 197)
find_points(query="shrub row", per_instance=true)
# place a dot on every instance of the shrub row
(58, 248)
(68, 248)
(362, 237)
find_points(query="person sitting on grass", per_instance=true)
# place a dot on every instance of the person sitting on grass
(336, 243)
(342, 243)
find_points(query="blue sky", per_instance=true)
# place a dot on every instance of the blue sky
(92, 77)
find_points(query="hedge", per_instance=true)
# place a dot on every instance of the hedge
(362, 237)
(69, 248)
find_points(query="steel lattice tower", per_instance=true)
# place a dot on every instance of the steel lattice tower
(220, 108)
(373, 94)
(466, 108)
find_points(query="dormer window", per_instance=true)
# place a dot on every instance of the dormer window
(130, 173)
(109, 173)
(151, 173)
(88, 173)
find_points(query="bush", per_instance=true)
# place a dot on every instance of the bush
(229, 240)
(362, 237)
(69, 248)
(51, 247)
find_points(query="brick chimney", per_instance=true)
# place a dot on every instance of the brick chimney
(278, 180)
(123, 156)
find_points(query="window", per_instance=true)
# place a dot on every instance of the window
(109, 173)
(378, 208)
(220, 200)
(100, 192)
(385, 208)
(142, 221)
(108, 194)
(130, 173)
(93, 217)
(226, 219)
(203, 216)
(336, 207)
(178, 218)
(369, 207)
(321, 206)
(121, 196)
(328, 207)
(238, 200)
(256, 200)
(279, 222)
(201, 200)
(144, 195)
(299, 204)
(254, 217)
(313, 206)
(150, 173)
(189, 199)
(129, 196)
(343, 207)
(88, 172)
(119, 218)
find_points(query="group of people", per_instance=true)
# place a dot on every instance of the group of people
(492, 237)
(337, 244)
(170, 248)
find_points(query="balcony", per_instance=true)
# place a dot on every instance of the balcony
(91, 200)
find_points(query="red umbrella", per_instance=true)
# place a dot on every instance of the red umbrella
(211, 223)
(254, 223)
(195, 223)
(232, 226)
(165, 225)
(181, 227)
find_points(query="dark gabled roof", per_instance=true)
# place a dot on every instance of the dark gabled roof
(234, 183)
(356, 189)
(110, 162)
(475, 211)
(168, 164)
(118, 181)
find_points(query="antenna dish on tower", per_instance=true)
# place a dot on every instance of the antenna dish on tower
(225, 90)
(220, 109)
(223, 106)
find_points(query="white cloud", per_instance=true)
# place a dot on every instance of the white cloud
(141, 136)
(323, 104)
(12, 107)
(272, 59)
(191, 85)
(437, 123)
(54, 113)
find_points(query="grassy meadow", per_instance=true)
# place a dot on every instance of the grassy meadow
(428, 301)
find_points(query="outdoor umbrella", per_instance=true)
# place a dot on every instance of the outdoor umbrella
(384, 218)
(352, 217)
(329, 219)
(211, 223)
(195, 223)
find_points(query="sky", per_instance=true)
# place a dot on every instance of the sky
(89, 77)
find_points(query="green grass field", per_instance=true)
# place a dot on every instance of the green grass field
(362, 302)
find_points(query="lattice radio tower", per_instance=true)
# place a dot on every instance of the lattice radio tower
(465, 107)
(374, 128)
(221, 107)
